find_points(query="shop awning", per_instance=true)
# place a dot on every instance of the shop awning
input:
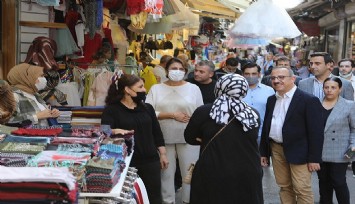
(212, 7)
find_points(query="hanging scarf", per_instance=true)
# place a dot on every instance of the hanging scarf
(229, 90)
(42, 52)
(24, 77)
(50, 90)
(7, 102)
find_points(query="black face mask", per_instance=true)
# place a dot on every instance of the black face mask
(140, 97)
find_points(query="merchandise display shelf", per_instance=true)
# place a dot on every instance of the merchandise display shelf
(116, 191)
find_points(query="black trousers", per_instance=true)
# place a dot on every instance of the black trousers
(150, 175)
(332, 176)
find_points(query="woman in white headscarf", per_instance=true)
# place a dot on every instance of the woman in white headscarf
(228, 170)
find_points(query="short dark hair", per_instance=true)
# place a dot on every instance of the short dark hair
(327, 57)
(165, 59)
(345, 60)
(173, 60)
(335, 79)
(207, 63)
(116, 89)
(251, 65)
(282, 59)
(232, 62)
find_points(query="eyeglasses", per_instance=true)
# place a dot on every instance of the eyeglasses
(280, 78)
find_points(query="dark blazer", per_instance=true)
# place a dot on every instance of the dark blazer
(303, 129)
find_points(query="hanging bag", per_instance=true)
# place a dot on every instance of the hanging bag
(187, 178)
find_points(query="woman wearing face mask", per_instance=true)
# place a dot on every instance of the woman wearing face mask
(27, 80)
(126, 113)
(174, 102)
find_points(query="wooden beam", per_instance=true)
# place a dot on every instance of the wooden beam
(9, 35)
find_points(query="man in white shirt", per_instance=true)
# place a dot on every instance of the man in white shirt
(159, 70)
(293, 134)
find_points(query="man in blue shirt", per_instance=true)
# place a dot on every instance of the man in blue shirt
(258, 93)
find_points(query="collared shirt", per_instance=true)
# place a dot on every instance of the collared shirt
(318, 88)
(279, 114)
(257, 98)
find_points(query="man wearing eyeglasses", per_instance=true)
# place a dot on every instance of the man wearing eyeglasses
(293, 136)
(321, 64)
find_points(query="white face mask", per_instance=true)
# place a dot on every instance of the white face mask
(41, 84)
(176, 75)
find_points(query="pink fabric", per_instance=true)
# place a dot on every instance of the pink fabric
(99, 89)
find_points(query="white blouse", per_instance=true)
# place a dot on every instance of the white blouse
(164, 98)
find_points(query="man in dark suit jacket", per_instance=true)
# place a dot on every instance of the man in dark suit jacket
(293, 133)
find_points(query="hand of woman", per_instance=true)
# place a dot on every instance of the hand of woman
(121, 131)
(164, 163)
(181, 117)
(55, 113)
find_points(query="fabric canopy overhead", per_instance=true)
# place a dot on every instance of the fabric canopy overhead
(211, 6)
(265, 19)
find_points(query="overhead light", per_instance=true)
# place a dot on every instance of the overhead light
(289, 4)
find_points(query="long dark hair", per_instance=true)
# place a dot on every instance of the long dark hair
(116, 91)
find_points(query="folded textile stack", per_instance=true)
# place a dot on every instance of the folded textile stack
(14, 159)
(64, 118)
(37, 185)
(104, 170)
(38, 131)
(88, 115)
(25, 148)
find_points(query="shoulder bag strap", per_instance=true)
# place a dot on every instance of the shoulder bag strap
(216, 135)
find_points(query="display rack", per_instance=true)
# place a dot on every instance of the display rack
(116, 191)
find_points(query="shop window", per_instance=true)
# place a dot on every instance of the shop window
(350, 44)
(332, 42)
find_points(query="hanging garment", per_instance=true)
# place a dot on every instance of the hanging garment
(255, 22)
(113, 5)
(48, 2)
(135, 6)
(71, 19)
(99, 89)
(70, 89)
(139, 20)
(90, 10)
(65, 42)
(149, 79)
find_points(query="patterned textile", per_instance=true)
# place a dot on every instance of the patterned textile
(7, 129)
(21, 139)
(90, 10)
(75, 148)
(73, 140)
(38, 132)
(135, 6)
(50, 90)
(26, 148)
(229, 90)
(25, 108)
(14, 159)
(7, 102)
(42, 52)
